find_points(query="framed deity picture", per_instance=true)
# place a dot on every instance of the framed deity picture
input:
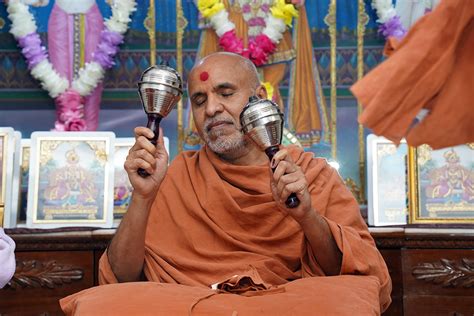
(441, 184)
(386, 182)
(71, 179)
(7, 149)
(20, 183)
(122, 186)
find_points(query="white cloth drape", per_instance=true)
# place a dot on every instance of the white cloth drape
(7, 258)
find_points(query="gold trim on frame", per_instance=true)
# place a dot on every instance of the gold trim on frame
(330, 21)
(415, 155)
(181, 24)
(101, 153)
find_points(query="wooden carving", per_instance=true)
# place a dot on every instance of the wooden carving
(49, 274)
(448, 273)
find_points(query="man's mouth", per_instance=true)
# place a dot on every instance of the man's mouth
(217, 125)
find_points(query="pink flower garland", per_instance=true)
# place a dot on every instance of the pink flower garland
(258, 51)
(70, 107)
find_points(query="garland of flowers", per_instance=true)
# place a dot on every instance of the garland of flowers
(391, 26)
(260, 47)
(255, 20)
(69, 97)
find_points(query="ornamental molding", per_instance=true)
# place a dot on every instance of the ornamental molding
(48, 274)
(447, 273)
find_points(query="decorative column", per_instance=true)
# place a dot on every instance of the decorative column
(362, 20)
(330, 21)
(150, 26)
(181, 24)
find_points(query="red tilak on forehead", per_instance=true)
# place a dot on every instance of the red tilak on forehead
(204, 76)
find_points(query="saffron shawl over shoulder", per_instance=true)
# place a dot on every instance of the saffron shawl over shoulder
(213, 221)
(432, 68)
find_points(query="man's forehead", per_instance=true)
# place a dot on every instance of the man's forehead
(211, 77)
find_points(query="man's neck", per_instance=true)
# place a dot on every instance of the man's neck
(247, 156)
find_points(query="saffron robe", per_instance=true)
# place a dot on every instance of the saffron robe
(213, 221)
(431, 68)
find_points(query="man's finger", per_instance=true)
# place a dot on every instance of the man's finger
(145, 143)
(135, 164)
(143, 131)
(143, 154)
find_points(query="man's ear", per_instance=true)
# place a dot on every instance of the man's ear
(261, 92)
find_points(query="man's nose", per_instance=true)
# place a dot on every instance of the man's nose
(213, 106)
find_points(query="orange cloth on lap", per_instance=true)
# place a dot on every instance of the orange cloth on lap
(432, 68)
(212, 220)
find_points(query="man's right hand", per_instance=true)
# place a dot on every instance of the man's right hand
(153, 160)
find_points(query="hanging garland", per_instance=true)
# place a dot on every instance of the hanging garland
(69, 97)
(390, 24)
(259, 47)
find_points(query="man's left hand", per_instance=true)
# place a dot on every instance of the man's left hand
(286, 179)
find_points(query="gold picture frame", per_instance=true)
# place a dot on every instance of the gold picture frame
(71, 180)
(440, 185)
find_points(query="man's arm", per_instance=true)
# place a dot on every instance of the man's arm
(288, 178)
(322, 243)
(126, 252)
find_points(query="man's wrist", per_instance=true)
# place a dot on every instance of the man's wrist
(309, 220)
(142, 201)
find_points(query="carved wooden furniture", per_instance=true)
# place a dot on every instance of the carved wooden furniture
(432, 269)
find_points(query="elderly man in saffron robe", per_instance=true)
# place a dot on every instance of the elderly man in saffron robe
(212, 235)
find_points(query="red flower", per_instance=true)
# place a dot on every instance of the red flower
(265, 43)
(257, 54)
(259, 48)
(231, 43)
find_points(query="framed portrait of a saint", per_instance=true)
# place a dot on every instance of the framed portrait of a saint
(122, 186)
(386, 182)
(7, 149)
(441, 185)
(71, 179)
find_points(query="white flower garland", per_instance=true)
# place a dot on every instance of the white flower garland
(249, 15)
(385, 10)
(23, 24)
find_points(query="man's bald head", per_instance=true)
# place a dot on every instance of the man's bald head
(231, 61)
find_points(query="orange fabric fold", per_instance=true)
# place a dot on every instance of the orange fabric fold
(212, 220)
(432, 68)
(307, 93)
(340, 295)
